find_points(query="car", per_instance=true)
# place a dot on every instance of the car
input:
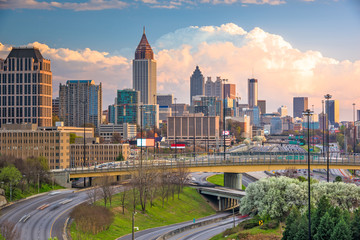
(54, 193)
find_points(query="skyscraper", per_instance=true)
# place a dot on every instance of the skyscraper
(283, 111)
(197, 84)
(127, 107)
(332, 109)
(26, 88)
(214, 89)
(300, 104)
(230, 90)
(165, 99)
(79, 98)
(144, 72)
(252, 92)
(262, 106)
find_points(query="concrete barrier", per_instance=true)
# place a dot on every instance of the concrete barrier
(188, 227)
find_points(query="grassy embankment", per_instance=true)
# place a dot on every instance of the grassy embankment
(316, 149)
(30, 190)
(218, 179)
(250, 230)
(190, 205)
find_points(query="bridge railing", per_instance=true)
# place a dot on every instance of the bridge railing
(230, 159)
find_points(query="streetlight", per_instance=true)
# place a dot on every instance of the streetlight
(195, 136)
(328, 97)
(323, 120)
(83, 165)
(175, 129)
(308, 113)
(154, 126)
(354, 130)
(224, 80)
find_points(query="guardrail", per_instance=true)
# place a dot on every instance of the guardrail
(218, 160)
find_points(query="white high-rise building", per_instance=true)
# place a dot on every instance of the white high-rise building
(283, 111)
(144, 72)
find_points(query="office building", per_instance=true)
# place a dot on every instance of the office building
(300, 104)
(262, 106)
(126, 131)
(164, 113)
(209, 106)
(179, 109)
(283, 111)
(332, 109)
(230, 90)
(276, 125)
(144, 72)
(80, 103)
(197, 84)
(252, 92)
(165, 99)
(126, 107)
(358, 115)
(26, 140)
(204, 128)
(56, 106)
(150, 116)
(214, 89)
(26, 88)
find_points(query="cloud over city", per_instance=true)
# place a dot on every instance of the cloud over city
(227, 51)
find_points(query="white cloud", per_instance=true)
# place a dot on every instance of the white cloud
(227, 51)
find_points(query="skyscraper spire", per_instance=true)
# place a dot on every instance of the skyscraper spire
(143, 50)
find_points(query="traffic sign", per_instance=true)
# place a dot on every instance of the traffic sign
(261, 222)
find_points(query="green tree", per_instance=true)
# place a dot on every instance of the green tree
(341, 231)
(120, 157)
(11, 175)
(355, 225)
(302, 229)
(292, 222)
(338, 179)
(325, 228)
(322, 207)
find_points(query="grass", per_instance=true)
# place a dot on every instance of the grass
(316, 149)
(253, 233)
(29, 191)
(190, 205)
(218, 179)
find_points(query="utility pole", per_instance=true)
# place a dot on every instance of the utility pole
(354, 130)
(323, 133)
(223, 85)
(308, 113)
(175, 130)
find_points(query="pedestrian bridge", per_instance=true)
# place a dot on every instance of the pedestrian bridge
(231, 163)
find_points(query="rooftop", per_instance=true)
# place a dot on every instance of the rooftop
(143, 50)
(25, 53)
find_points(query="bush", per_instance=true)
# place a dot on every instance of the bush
(270, 225)
(92, 219)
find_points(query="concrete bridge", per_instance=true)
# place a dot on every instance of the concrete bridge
(233, 165)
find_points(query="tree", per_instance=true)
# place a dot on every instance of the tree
(302, 229)
(355, 225)
(322, 207)
(55, 118)
(120, 157)
(10, 175)
(338, 179)
(291, 224)
(116, 138)
(93, 195)
(341, 231)
(325, 228)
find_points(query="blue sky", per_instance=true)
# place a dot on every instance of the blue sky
(330, 27)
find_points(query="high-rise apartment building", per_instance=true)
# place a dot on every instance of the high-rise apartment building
(262, 106)
(300, 104)
(56, 106)
(150, 116)
(80, 103)
(127, 106)
(26, 88)
(332, 109)
(230, 90)
(165, 99)
(144, 72)
(197, 84)
(252, 92)
(358, 115)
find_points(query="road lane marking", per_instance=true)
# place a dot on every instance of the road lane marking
(52, 225)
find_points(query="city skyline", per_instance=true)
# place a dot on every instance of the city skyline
(285, 64)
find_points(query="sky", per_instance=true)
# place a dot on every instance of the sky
(293, 47)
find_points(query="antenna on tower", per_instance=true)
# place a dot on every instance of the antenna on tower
(144, 29)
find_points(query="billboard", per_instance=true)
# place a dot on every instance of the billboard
(178, 146)
(145, 142)
(226, 133)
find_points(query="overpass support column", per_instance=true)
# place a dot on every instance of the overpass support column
(233, 180)
(219, 200)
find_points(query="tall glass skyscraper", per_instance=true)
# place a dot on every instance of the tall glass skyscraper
(144, 72)
(332, 109)
(252, 92)
(197, 84)
(300, 104)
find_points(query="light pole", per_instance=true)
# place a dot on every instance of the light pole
(175, 130)
(354, 130)
(323, 133)
(194, 136)
(224, 80)
(308, 113)
(154, 126)
(141, 134)
(327, 97)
